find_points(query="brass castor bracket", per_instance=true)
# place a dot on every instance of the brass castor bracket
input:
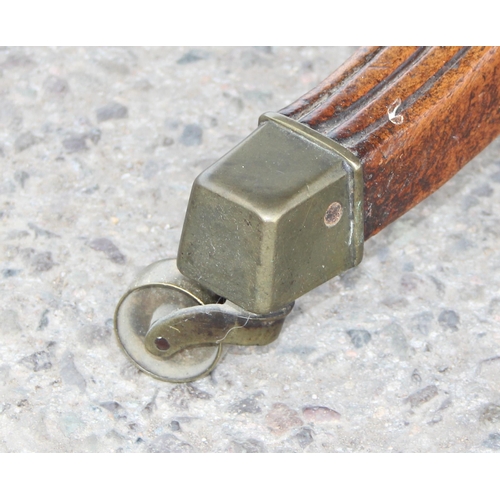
(175, 330)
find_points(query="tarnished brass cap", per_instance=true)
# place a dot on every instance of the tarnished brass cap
(277, 216)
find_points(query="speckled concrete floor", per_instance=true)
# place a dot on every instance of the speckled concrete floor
(98, 150)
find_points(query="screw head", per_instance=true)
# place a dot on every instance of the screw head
(333, 214)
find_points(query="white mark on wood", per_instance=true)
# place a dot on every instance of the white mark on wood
(392, 112)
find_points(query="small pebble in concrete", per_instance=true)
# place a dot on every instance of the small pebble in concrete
(359, 338)
(94, 135)
(4, 407)
(483, 191)
(494, 307)
(44, 320)
(111, 111)
(42, 261)
(492, 441)
(172, 123)
(37, 361)
(18, 234)
(399, 342)
(42, 232)
(409, 282)
(449, 320)
(9, 273)
(111, 406)
(55, 85)
(408, 267)
(320, 414)
(182, 395)
(25, 141)
(192, 56)
(495, 177)
(21, 177)
(441, 287)
(75, 143)
(27, 254)
(421, 323)
(192, 135)
(281, 419)
(17, 60)
(70, 373)
(91, 189)
(248, 446)
(109, 248)
(435, 420)
(150, 407)
(247, 405)
(422, 396)
(196, 393)
(447, 403)
(415, 377)
(304, 437)
(168, 443)
(490, 413)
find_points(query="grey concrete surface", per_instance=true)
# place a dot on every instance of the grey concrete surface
(98, 150)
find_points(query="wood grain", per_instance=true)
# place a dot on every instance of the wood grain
(414, 116)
